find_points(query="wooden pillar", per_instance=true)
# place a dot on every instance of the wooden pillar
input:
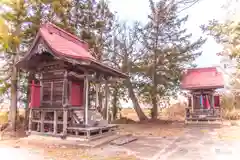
(55, 122)
(106, 100)
(65, 121)
(192, 98)
(213, 102)
(65, 104)
(65, 96)
(201, 99)
(41, 89)
(86, 92)
(51, 98)
(97, 94)
(70, 93)
(30, 120)
(42, 121)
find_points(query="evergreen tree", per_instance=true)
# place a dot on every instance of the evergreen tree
(95, 24)
(125, 54)
(168, 51)
(93, 21)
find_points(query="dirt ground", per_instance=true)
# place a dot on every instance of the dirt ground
(54, 151)
(155, 141)
(168, 138)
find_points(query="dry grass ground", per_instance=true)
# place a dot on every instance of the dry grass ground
(155, 129)
(174, 113)
(167, 125)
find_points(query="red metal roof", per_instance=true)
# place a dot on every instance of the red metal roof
(202, 78)
(64, 43)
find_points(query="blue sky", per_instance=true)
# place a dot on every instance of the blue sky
(199, 14)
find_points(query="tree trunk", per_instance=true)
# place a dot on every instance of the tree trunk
(30, 77)
(13, 102)
(100, 107)
(154, 111)
(134, 99)
(26, 109)
(105, 111)
(14, 83)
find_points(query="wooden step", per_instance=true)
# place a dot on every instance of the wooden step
(72, 141)
(95, 142)
(123, 140)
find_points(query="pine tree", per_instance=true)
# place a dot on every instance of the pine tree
(95, 24)
(93, 21)
(168, 51)
(125, 55)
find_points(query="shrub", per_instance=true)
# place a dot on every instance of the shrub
(3, 117)
(174, 112)
(230, 105)
(227, 102)
(231, 114)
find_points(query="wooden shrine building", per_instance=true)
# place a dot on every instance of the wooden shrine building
(64, 69)
(204, 102)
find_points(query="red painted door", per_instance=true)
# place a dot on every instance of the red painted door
(76, 95)
(35, 95)
(216, 101)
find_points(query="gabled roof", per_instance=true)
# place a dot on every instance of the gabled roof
(66, 45)
(202, 78)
